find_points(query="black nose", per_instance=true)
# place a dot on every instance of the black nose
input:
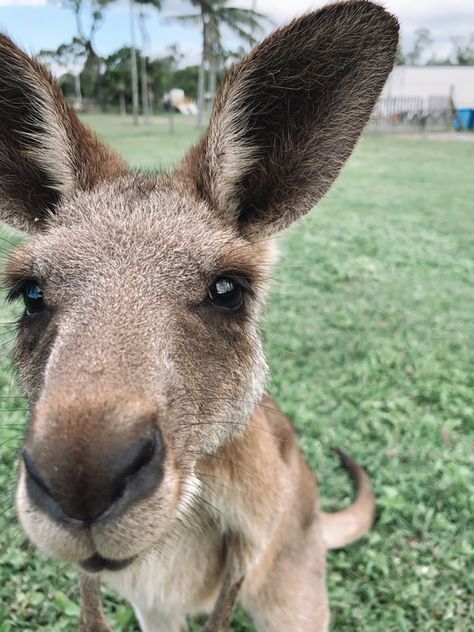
(96, 484)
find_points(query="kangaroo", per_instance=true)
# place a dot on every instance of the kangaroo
(153, 459)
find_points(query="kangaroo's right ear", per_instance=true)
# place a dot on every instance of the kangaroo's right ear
(289, 114)
(46, 153)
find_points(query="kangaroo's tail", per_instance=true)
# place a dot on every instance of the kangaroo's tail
(348, 525)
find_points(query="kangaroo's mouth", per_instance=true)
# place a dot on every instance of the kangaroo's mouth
(97, 563)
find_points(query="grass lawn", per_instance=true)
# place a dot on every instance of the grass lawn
(370, 338)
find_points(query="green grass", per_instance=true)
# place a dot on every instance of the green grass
(370, 337)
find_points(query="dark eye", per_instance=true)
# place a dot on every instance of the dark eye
(33, 298)
(225, 293)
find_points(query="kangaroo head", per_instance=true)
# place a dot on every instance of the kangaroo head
(139, 347)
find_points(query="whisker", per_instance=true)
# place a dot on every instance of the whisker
(242, 469)
(242, 424)
(231, 399)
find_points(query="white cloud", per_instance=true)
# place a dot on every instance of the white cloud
(281, 10)
(406, 10)
(443, 18)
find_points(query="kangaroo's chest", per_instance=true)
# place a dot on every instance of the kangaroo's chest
(182, 574)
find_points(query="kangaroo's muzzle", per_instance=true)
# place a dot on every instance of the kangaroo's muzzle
(104, 460)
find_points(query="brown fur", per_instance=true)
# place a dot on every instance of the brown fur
(274, 144)
(92, 617)
(46, 154)
(153, 454)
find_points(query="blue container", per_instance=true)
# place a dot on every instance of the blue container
(467, 117)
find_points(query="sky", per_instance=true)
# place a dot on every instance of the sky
(43, 24)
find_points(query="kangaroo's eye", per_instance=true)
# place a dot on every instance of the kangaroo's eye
(33, 298)
(227, 294)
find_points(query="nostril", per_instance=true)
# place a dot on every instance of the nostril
(137, 457)
(33, 471)
(140, 455)
(39, 492)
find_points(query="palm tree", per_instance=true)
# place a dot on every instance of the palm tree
(83, 44)
(68, 56)
(86, 39)
(211, 16)
(133, 60)
(143, 65)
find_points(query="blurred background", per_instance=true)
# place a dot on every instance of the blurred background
(144, 57)
(369, 330)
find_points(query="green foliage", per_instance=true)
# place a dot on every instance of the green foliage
(65, 54)
(464, 50)
(83, 46)
(91, 78)
(423, 40)
(211, 17)
(117, 78)
(370, 339)
(162, 74)
(214, 14)
(187, 80)
(67, 83)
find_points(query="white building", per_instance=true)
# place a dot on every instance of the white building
(433, 81)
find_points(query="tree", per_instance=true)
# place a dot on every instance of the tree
(423, 40)
(117, 84)
(91, 74)
(462, 53)
(133, 58)
(143, 65)
(97, 17)
(133, 63)
(68, 56)
(187, 80)
(463, 50)
(164, 74)
(211, 16)
(400, 59)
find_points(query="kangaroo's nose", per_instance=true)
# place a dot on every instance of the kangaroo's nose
(95, 481)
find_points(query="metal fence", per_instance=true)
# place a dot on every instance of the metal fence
(412, 114)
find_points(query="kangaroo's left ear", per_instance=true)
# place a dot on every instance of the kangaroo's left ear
(289, 114)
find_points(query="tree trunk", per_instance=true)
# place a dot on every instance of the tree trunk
(200, 103)
(213, 79)
(100, 92)
(143, 67)
(77, 84)
(133, 61)
(202, 75)
(123, 107)
(145, 100)
(254, 9)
